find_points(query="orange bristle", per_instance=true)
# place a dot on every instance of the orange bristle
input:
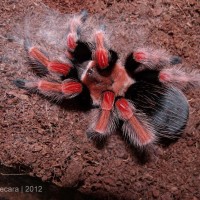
(139, 56)
(60, 68)
(105, 114)
(126, 112)
(49, 86)
(71, 87)
(124, 109)
(36, 54)
(164, 77)
(99, 40)
(71, 42)
(102, 58)
(108, 100)
(142, 134)
(101, 54)
(102, 123)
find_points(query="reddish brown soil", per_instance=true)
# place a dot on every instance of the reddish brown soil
(49, 141)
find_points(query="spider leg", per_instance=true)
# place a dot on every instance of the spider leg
(77, 50)
(149, 59)
(135, 127)
(154, 58)
(180, 77)
(104, 121)
(177, 76)
(101, 54)
(41, 63)
(105, 57)
(74, 32)
(68, 88)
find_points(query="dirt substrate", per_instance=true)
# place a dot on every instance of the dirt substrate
(48, 141)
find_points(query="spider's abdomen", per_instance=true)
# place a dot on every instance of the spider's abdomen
(166, 107)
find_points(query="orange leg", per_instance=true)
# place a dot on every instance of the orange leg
(73, 35)
(153, 58)
(105, 121)
(135, 126)
(179, 77)
(67, 89)
(44, 63)
(101, 53)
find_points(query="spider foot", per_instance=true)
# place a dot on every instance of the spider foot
(20, 83)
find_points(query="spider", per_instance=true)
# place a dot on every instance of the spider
(142, 96)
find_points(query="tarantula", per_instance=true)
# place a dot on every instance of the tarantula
(143, 96)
